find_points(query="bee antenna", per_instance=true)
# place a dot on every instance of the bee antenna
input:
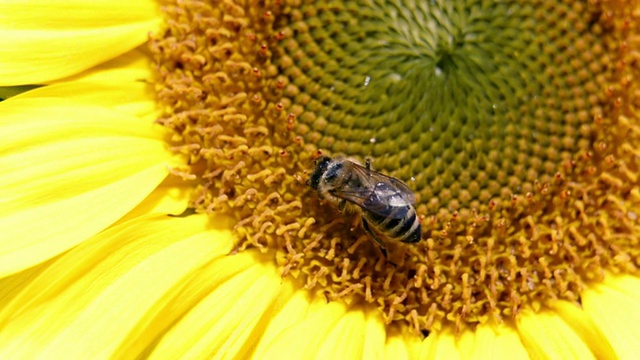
(367, 163)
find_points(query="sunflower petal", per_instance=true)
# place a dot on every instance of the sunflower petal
(466, 343)
(51, 40)
(97, 296)
(242, 349)
(584, 327)
(397, 348)
(374, 341)
(440, 345)
(64, 14)
(224, 321)
(613, 305)
(135, 65)
(170, 199)
(305, 338)
(132, 97)
(182, 299)
(28, 122)
(346, 339)
(403, 344)
(626, 284)
(546, 336)
(63, 161)
(121, 84)
(292, 312)
(497, 342)
(12, 285)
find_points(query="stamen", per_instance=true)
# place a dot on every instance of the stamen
(520, 141)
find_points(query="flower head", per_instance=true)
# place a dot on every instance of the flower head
(513, 122)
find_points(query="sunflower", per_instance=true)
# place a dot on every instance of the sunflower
(154, 158)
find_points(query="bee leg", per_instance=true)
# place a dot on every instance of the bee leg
(366, 227)
(342, 204)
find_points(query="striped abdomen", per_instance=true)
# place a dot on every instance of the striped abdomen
(401, 224)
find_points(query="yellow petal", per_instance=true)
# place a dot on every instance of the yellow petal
(546, 336)
(224, 323)
(135, 65)
(493, 341)
(68, 172)
(28, 122)
(292, 312)
(122, 84)
(304, 338)
(397, 349)
(65, 14)
(42, 41)
(613, 305)
(440, 345)
(180, 300)
(584, 327)
(466, 343)
(100, 295)
(11, 286)
(627, 284)
(284, 300)
(172, 198)
(412, 342)
(132, 97)
(242, 342)
(403, 343)
(374, 336)
(346, 339)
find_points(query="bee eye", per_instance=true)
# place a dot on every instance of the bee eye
(332, 172)
(322, 160)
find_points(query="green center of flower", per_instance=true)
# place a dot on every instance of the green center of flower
(468, 102)
(506, 119)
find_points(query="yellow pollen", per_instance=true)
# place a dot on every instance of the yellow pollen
(523, 204)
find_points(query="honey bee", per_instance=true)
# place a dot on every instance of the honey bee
(387, 204)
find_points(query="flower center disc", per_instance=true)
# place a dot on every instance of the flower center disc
(509, 120)
(468, 102)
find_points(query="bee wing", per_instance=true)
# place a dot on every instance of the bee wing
(373, 178)
(403, 190)
(364, 197)
(367, 192)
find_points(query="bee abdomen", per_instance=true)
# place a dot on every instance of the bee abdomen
(405, 228)
(415, 232)
(409, 230)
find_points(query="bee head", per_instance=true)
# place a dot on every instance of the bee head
(320, 168)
